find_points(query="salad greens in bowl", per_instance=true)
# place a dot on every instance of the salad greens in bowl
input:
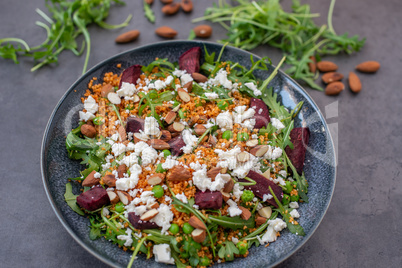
(190, 154)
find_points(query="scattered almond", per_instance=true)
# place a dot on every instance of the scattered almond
(326, 66)
(203, 31)
(109, 180)
(158, 144)
(166, 135)
(252, 143)
(228, 186)
(90, 180)
(170, 117)
(149, 2)
(267, 174)
(225, 196)
(166, 1)
(178, 173)
(171, 9)
(139, 137)
(197, 223)
(125, 198)
(113, 197)
(184, 96)
(259, 150)
(199, 235)
(199, 78)
(354, 82)
(260, 220)
(188, 86)
(122, 133)
(127, 37)
(334, 88)
(114, 98)
(154, 205)
(166, 32)
(106, 89)
(243, 157)
(88, 130)
(213, 172)
(150, 214)
(136, 98)
(245, 214)
(155, 179)
(200, 129)
(212, 140)
(312, 65)
(265, 212)
(368, 67)
(331, 77)
(186, 5)
(176, 127)
(121, 170)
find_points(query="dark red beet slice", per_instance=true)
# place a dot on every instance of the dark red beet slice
(299, 137)
(176, 144)
(190, 60)
(261, 113)
(262, 187)
(93, 199)
(208, 199)
(137, 223)
(131, 74)
(134, 124)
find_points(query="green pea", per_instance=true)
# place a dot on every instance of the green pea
(174, 228)
(227, 135)
(187, 228)
(184, 255)
(195, 245)
(204, 261)
(158, 191)
(289, 187)
(243, 136)
(242, 246)
(247, 196)
(294, 198)
(166, 153)
(285, 199)
(119, 207)
(223, 105)
(159, 168)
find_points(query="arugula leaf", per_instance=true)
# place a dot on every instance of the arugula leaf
(301, 181)
(293, 228)
(149, 14)
(227, 251)
(71, 200)
(233, 223)
(191, 35)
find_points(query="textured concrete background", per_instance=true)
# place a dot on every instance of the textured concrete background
(362, 225)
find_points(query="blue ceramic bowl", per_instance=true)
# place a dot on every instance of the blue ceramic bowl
(56, 167)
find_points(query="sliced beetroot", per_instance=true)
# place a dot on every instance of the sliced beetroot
(176, 144)
(131, 74)
(208, 199)
(261, 115)
(190, 60)
(137, 223)
(299, 137)
(93, 199)
(134, 124)
(262, 187)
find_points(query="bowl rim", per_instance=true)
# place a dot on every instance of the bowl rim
(195, 42)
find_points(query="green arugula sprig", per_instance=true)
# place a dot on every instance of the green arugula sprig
(68, 20)
(253, 23)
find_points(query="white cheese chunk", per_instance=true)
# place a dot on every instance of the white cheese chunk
(162, 254)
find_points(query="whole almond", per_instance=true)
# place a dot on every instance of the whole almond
(158, 144)
(312, 65)
(90, 180)
(166, 1)
(186, 5)
(200, 129)
(178, 173)
(354, 82)
(326, 66)
(166, 135)
(109, 180)
(166, 32)
(149, 2)
(331, 77)
(203, 31)
(199, 78)
(171, 9)
(197, 223)
(368, 67)
(334, 88)
(88, 130)
(127, 37)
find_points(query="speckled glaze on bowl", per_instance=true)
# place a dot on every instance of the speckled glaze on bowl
(56, 167)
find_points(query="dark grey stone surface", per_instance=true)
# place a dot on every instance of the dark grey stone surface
(362, 226)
